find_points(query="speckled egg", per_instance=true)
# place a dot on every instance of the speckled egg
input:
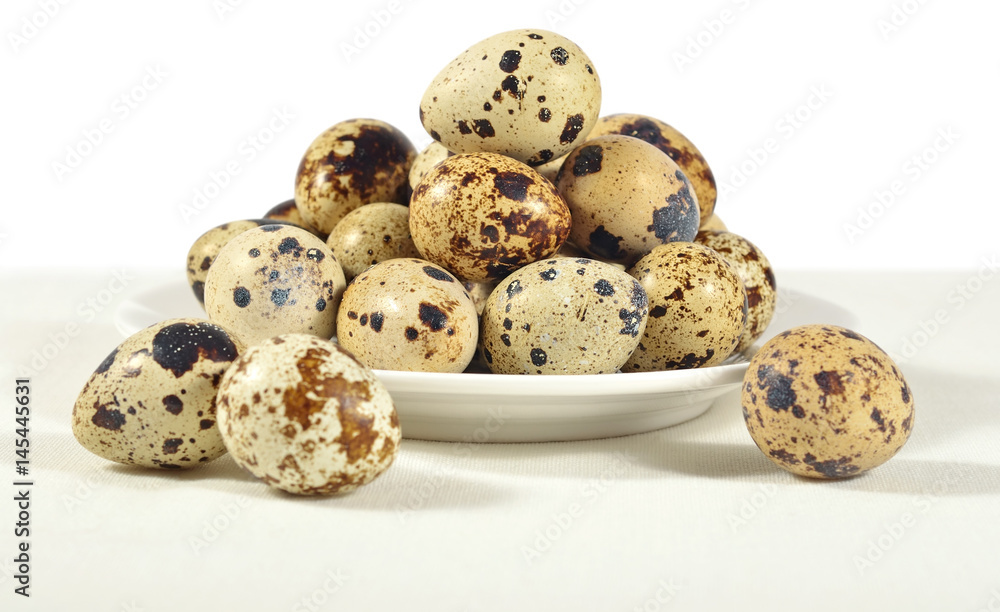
(529, 94)
(151, 402)
(673, 143)
(826, 402)
(355, 162)
(563, 316)
(275, 279)
(755, 271)
(288, 211)
(408, 314)
(304, 416)
(697, 308)
(425, 160)
(483, 215)
(370, 234)
(713, 223)
(204, 250)
(550, 170)
(626, 197)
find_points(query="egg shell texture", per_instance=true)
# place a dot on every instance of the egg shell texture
(697, 308)
(529, 94)
(563, 316)
(288, 211)
(205, 249)
(151, 402)
(826, 402)
(370, 234)
(355, 162)
(409, 314)
(425, 160)
(272, 280)
(626, 197)
(676, 145)
(483, 215)
(303, 415)
(753, 268)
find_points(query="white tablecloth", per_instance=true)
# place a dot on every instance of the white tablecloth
(692, 517)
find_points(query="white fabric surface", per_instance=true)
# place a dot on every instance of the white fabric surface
(692, 517)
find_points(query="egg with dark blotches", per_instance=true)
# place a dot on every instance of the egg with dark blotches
(151, 402)
(676, 145)
(626, 197)
(483, 215)
(411, 315)
(826, 402)
(353, 163)
(370, 234)
(275, 279)
(425, 160)
(563, 316)
(288, 211)
(204, 250)
(753, 268)
(529, 94)
(304, 416)
(697, 309)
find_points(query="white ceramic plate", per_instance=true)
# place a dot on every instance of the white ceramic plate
(500, 408)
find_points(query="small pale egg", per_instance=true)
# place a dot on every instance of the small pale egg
(550, 169)
(408, 314)
(626, 197)
(713, 224)
(479, 291)
(697, 308)
(425, 160)
(826, 402)
(667, 139)
(151, 402)
(755, 271)
(529, 94)
(288, 211)
(301, 414)
(563, 316)
(370, 234)
(204, 250)
(483, 215)
(355, 162)
(275, 279)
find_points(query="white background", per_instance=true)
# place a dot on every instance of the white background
(226, 70)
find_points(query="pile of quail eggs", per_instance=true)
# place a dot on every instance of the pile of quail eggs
(533, 236)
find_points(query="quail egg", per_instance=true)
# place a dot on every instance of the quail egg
(370, 234)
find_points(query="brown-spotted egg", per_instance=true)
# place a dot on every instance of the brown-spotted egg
(304, 416)
(275, 279)
(408, 314)
(563, 316)
(753, 268)
(151, 402)
(483, 215)
(697, 308)
(626, 197)
(370, 234)
(529, 94)
(826, 402)
(355, 162)
(425, 160)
